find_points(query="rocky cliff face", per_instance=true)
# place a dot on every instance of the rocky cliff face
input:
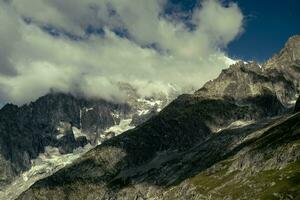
(67, 123)
(50, 121)
(233, 139)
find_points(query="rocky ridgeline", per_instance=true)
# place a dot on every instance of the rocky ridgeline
(235, 138)
(288, 55)
(279, 76)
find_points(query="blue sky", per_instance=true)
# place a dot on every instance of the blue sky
(268, 24)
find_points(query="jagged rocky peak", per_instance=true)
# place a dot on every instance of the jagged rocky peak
(286, 63)
(240, 80)
(290, 53)
(293, 47)
(279, 76)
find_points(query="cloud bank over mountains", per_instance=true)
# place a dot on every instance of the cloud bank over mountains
(89, 46)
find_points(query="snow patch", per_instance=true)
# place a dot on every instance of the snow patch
(229, 61)
(88, 109)
(45, 165)
(236, 124)
(292, 102)
(115, 115)
(123, 126)
(62, 128)
(59, 136)
(150, 103)
(143, 112)
(77, 132)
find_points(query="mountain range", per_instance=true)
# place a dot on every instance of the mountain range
(61, 123)
(238, 137)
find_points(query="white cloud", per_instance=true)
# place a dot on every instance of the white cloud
(33, 62)
(9, 34)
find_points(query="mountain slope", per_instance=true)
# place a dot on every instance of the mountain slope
(233, 130)
(113, 171)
